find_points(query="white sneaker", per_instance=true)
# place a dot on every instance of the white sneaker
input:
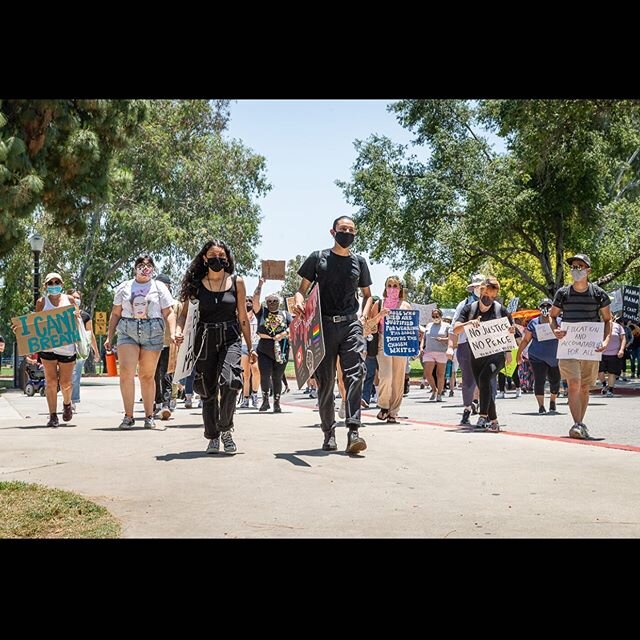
(254, 400)
(343, 411)
(500, 395)
(188, 401)
(214, 445)
(518, 392)
(73, 407)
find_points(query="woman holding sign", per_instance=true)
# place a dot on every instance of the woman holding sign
(390, 368)
(223, 319)
(543, 347)
(58, 363)
(485, 368)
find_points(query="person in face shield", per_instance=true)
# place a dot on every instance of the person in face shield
(543, 346)
(273, 347)
(581, 301)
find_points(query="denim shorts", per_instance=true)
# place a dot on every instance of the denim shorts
(146, 334)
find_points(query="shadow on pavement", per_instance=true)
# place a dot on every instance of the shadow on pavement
(192, 455)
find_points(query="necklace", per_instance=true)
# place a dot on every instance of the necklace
(213, 289)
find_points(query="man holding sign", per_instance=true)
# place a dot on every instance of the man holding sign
(339, 273)
(489, 330)
(580, 302)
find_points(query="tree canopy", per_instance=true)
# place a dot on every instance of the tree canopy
(59, 154)
(567, 181)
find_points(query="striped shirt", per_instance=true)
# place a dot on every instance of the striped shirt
(581, 306)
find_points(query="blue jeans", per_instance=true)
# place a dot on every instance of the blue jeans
(77, 374)
(372, 364)
(188, 383)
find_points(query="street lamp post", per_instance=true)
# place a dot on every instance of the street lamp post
(37, 244)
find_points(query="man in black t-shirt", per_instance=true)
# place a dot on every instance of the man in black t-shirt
(339, 273)
(581, 301)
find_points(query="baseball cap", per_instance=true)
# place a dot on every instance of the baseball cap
(580, 256)
(476, 280)
(51, 276)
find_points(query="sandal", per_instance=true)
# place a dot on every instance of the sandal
(392, 420)
(383, 414)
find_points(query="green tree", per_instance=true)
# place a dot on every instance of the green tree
(59, 154)
(291, 277)
(178, 183)
(568, 178)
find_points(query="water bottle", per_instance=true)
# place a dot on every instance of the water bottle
(277, 351)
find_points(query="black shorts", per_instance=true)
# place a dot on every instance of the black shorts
(611, 364)
(49, 355)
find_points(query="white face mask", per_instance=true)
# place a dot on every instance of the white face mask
(578, 275)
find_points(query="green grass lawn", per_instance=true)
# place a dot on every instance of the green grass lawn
(34, 511)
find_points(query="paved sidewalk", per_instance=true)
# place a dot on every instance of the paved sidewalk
(424, 477)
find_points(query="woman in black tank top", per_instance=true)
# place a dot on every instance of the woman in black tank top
(220, 295)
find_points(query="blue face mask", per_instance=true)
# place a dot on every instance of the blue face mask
(54, 290)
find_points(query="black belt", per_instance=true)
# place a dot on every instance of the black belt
(216, 325)
(351, 316)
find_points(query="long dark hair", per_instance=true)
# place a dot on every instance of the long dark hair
(198, 269)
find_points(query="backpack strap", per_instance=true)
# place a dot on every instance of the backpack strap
(475, 306)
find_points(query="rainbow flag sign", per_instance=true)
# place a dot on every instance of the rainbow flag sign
(307, 340)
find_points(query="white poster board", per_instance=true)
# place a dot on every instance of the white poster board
(186, 354)
(581, 341)
(491, 337)
(425, 311)
(545, 332)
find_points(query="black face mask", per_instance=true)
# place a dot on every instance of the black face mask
(486, 301)
(217, 264)
(249, 308)
(344, 239)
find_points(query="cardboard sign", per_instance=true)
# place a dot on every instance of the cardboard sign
(491, 337)
(630, 302)
(425, 311)
(46, 330)
(581, 341)
(616, 301)
(545, 332)
(400, 336)
(307, 339)
(513, 305)
(273, 269)
(186, 358)
(100, 323)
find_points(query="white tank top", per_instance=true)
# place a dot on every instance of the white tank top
(67, 349)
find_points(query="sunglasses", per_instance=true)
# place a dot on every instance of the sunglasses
(54, 282)
(578, 267)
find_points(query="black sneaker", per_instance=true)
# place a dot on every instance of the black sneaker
(552, 405)
(53, 420)
(276, 405)
(541, 409)
(355, 444)
(465, 417)
(67, 412)
(329, 443)
(265, 403)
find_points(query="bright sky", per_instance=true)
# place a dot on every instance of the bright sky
(308, 145)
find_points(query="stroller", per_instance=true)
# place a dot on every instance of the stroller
(35, 382)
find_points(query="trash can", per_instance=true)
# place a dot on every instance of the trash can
(112, 369)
